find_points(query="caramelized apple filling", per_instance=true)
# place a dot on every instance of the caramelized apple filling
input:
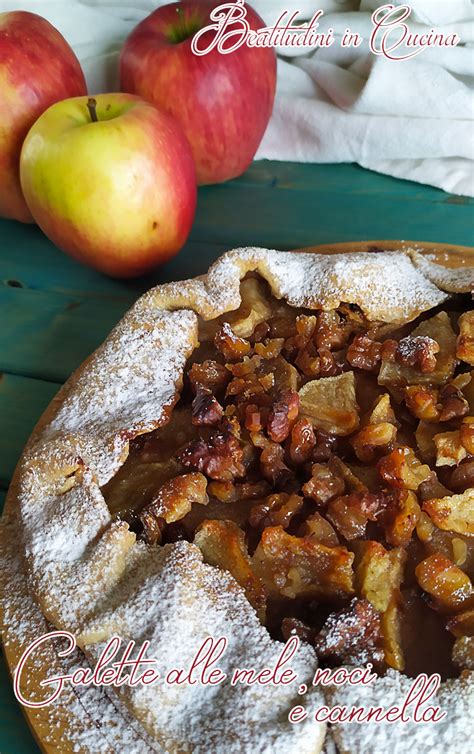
(327, 463)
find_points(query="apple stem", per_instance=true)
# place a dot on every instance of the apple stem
(91, 106)
(182, 22)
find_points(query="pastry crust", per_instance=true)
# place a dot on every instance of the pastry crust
(128, 387)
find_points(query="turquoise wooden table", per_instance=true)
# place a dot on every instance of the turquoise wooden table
(54, 312)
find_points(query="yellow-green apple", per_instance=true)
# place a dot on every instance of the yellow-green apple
(111, 181)
(223, 101)
(37, 68)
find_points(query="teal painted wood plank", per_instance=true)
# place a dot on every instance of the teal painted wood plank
(22, 401)
(15, 736)
(274, 204)
(28, 259)
(49, 334)
(340, 178)
(285, 218)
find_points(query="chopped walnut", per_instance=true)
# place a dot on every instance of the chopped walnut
(373, 438)
(351, 636)
(402, 469)
(250, 386)
(248, 366)
(437, 329)
(304, 330)
(419, 352)
(308, 361)
(378, 433)
(434, 405)
(270, 349)
(229, 344)
(272, 464)
(320, 463)
(422, 402)
(171, 503)
(220, 457)
(466, 434)
(453, 513)
(379, 574)
(331, 332)
(330, 404)
(225, 492)
(283, 415)
(275, 510)
(449, 586)
(222, 544)
(324, 484)
(255, 418)
(302, 441)
(400, 516)
(364, 353)
(297, 566)
(210, 374)
(206, 409)
(350, 513)
(389, 350)
(465, 341)
(231, 492)
(326, 445)
(449, 449)
(318, 528)
(329, 366)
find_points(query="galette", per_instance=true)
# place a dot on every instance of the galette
(281, 447)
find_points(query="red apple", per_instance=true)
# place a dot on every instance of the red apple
(223, 101)
(37, 68)
(111, 181)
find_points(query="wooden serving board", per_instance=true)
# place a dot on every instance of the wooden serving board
(53, 731)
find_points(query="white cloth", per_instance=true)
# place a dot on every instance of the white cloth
(412, 119)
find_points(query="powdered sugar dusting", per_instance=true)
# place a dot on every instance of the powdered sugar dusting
(453, 734)
(453, 279)
(387, 286)
(83, 720)
(175, 601)
(88, 572)
(125, 387)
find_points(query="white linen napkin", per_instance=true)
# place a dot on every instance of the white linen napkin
(412, 119)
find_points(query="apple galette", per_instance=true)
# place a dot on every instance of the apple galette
(282, 447)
